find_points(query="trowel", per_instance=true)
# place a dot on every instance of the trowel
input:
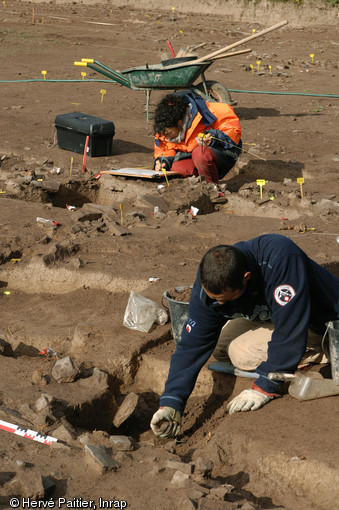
(226, 367)
(302, 387)
(307, 387)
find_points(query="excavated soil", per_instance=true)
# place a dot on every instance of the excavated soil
(65, 285)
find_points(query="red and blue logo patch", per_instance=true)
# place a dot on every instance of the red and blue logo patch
(283, 294)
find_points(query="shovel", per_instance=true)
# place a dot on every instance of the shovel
(307, 387)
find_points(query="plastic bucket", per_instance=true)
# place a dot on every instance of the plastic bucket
(333, 333)
(178, 311)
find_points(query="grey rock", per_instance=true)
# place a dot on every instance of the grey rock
(154, 201)
(51, 186)
(8, 414)
(180, 479)
(30, 481)
(125, 410)
(23, 179)
(27, 412)
(263, 201)
(122, 443)
(101, 457)
(98, 380)
(220, 493)
(85, 438)
(83, 215)
(118, 230)
(42, 420)
(181, 466)
(64, 370)
(44, 402)
(64, 433)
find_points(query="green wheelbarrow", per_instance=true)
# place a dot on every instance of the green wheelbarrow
(178, 76)
(178, 73)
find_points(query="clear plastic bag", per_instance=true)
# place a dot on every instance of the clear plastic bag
(141, 313)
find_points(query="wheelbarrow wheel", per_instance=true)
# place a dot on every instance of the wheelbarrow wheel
(217, 92)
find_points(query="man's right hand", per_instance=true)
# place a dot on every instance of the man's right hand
(159, 165)
(166, 422)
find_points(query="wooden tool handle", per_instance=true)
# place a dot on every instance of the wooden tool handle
(234, 45)
(233, 54)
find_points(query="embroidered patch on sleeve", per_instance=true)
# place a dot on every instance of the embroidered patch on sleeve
(283, 294)
(190, 324)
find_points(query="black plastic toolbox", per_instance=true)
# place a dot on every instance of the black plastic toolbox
(73, 128)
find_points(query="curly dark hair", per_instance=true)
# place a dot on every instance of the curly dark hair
(169, 111)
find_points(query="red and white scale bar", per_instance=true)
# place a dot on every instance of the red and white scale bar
(30, 434)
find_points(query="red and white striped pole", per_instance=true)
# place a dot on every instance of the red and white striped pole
(30, 434)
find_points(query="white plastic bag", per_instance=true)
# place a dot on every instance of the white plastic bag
(141, 313)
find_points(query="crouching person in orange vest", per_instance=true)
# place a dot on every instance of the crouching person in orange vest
(195, 137)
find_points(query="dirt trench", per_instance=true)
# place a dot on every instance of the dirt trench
(237, 459)
(66, 287)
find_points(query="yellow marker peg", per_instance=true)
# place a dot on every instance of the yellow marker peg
(301, 181)
(6, 292)
(4, 4)
(44, 74)
(270, 68)
(181, 32)
(312, 57)
(258, 64)
(261, 183)
(165, 174)
(253, 30)
(251, 66)
(15, 260)
(42, 20)
(83, 75)
(70, 172)
(102, 92)
(121, 207)
(173, 9)
(110, 12)
(1, 191)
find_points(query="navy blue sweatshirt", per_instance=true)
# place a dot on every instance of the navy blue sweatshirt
(286, 287)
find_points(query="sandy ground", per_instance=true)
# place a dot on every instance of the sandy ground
(66, 287)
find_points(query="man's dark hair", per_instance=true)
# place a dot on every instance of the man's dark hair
(169, 111)
(222, 267)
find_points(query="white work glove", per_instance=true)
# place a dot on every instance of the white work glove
(248, 400)
(166, 422)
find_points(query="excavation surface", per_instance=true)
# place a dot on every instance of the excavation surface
(66, 286)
